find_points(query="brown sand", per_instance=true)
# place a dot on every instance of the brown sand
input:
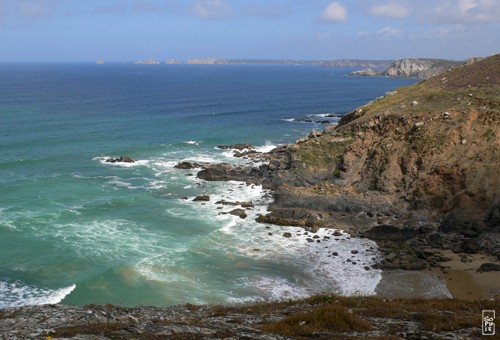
(462, 279)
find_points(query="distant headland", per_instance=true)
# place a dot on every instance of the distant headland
(412, 67)
(378, 64)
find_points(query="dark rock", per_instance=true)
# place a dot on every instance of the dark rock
(187, 165)
(489, 267)
(335, 253)
(470, 233)
(239, 212)
(242, 204)
(337, 233)
(287, 235)
(471, 246)
(235, 146)
(121, 159)
(426, 229)
(309, 240)
(391, 233)
(366, 268)
(202, 198)
(354, 252)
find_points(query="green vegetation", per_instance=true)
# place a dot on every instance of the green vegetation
(489, 135)
(336, 173)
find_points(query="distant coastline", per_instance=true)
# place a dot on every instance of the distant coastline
(378, 64)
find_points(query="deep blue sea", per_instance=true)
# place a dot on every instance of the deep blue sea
(77, 230)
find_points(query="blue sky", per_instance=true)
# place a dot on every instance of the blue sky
(128, 30)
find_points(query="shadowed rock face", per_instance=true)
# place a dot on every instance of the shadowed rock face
(425, 157)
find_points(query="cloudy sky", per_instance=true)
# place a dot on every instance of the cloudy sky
(127, 30)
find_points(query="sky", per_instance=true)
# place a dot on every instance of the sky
(130, 30)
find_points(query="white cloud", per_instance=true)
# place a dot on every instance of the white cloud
(33, 9)
(389, 32)
(466, 11)
(390, 10)
(334, 12)
(211, 9)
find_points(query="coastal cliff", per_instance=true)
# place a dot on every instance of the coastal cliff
(415, 170)
(412, 67)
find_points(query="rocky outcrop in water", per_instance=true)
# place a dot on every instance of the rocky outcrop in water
(121, 159)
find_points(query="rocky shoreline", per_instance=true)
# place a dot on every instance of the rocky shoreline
(402, 247)
(415, 171)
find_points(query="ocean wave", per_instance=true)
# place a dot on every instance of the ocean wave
(17, 294)
(191, 142)
(316, 118)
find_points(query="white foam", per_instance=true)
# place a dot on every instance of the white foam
(109, 239)
(328, 114)
(316, 269)
(192, 142)
(17, 294)
(272, 288)
(266, 148)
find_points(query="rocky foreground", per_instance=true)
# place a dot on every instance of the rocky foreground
(321, 317)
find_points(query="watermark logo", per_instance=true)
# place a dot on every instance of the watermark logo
(488, 322)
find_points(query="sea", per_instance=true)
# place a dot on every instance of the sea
(75, 229)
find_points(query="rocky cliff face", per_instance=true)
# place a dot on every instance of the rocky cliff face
(412, 67)
(423, 162)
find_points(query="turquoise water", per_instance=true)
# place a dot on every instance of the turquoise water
(77, 230)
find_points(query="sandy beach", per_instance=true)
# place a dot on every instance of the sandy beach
(464, 281)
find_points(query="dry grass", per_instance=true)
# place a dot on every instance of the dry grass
(335, 314)
(326, 318)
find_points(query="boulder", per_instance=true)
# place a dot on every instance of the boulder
(187, 165)
(471, 246)
(202, 198)
(489, 267)
(239, 212)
